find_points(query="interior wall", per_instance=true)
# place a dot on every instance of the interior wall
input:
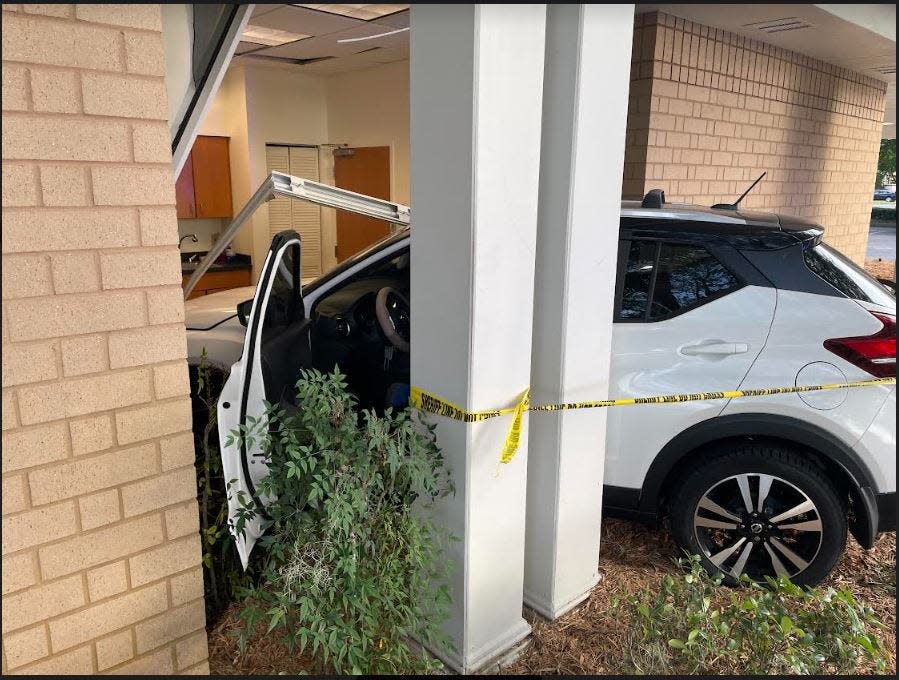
(259, 105)
(282, 107)
(371, 108)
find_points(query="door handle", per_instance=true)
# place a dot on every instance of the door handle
(715, 348)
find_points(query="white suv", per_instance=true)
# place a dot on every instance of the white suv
(706, 300)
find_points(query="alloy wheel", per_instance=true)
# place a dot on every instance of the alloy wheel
(759, 525)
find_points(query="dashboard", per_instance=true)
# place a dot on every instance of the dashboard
(346, 333)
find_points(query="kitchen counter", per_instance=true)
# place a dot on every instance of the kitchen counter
(220, 276)
(237, 263)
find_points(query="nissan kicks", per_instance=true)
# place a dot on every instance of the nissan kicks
(707, 299)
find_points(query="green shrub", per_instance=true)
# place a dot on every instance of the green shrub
(692, 625)
(348, 568)
(885, 214)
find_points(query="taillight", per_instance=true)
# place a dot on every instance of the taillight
(875, 354)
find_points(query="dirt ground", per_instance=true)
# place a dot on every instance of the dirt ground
(590, 639)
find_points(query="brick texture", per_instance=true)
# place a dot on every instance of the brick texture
(100, 541)
(709, 111)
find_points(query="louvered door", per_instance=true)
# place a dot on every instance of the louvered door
(302, 217)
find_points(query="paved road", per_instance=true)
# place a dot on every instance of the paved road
(882, 243)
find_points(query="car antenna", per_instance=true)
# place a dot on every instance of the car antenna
(736, 204)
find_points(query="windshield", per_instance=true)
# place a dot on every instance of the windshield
(354, 259)
(846, 276)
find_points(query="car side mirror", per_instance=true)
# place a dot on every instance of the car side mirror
(243, 312)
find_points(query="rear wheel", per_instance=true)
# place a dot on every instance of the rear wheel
(761, 511)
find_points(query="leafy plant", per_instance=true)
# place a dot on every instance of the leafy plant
(886, 162)
(349, 568)
(884, 214)
(691, 625)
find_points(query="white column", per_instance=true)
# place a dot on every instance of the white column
(476, 88)
(587, 71)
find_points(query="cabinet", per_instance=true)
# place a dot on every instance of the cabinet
(203, 188)
(214, 281)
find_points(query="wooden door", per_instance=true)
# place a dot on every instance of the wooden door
(366, 171)
(185, 204)
(212, 176)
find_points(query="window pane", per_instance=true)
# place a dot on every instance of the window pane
(845, 276)
(687, 275)
(637, 279)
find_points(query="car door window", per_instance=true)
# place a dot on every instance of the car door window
(639, 268)
(663, 279)
(284, 302)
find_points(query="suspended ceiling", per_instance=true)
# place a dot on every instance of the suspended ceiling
(329, 38)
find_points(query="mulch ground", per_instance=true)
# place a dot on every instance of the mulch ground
(590, 639)
(881, 269)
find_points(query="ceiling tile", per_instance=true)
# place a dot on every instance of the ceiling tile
(306, 21)
(259, 10)
(243, 46)
(366, 12)
(328, 45)
(398, 20)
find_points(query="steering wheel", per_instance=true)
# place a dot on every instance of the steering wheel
(394, 315)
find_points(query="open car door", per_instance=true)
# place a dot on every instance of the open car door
(277, 343)
(275, 348)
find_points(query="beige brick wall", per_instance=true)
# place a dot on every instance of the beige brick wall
(711, 110)
(101, 550)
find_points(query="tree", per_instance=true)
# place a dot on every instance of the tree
(886, 164)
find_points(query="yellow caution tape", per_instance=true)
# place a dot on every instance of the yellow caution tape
(431, 403)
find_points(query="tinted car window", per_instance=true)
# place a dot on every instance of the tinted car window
(687, 275)
(846, 276)
(665, 279)
(284, 302)
(637, 279)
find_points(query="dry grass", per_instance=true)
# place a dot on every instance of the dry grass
(591, 639)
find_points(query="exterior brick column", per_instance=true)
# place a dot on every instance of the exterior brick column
(101, 550)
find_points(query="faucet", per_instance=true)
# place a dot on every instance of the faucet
(192, 237)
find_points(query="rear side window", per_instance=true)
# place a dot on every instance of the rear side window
(659, 280)
(844, 275)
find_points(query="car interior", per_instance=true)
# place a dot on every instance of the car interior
(362, 326)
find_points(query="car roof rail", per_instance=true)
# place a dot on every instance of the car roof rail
(654, 198)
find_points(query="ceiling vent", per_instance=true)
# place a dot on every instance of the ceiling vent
(888, 70)
(779, 25)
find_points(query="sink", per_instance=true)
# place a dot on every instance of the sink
(196, 257)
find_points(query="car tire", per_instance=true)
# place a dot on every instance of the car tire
(715, 514)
